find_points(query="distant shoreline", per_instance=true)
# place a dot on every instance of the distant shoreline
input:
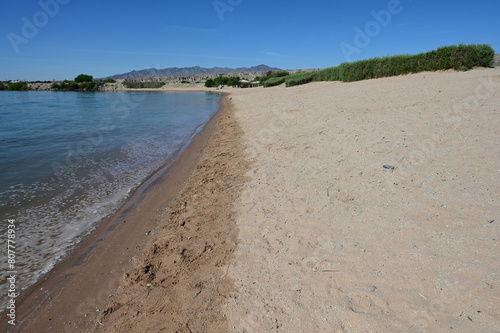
(169, 80)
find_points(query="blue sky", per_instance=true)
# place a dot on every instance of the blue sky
(59, 39)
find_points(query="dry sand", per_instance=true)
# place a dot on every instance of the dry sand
(330, 241)
(291, 223)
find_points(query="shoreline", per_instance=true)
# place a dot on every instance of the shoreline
(182, 282)
(41, 301)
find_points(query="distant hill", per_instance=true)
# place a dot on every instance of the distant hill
(191, 71)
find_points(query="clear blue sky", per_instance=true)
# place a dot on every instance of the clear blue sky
(107, 37)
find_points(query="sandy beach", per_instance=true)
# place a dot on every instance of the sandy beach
(331, 241)
(371, 206)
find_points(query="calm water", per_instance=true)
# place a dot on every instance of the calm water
(70, 159)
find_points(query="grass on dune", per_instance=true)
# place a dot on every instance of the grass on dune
(459, 57)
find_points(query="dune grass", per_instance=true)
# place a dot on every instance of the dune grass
(461, 57)
(300, 78)
(142, 85)
(274, 81)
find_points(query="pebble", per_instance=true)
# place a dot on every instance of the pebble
(390, 167)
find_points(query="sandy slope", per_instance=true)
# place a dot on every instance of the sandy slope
(330, 241)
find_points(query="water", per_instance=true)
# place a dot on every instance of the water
(70, 159)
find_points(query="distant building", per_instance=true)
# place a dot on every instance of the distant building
(17, 80)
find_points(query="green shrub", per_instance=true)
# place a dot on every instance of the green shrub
(299, 78)
(274, 81)
(2, 86)
(88, 86)
(461, 57)
(209, 83)
(184, 81)
(74, 86)
(280, 74)
(64, 84)
(83, 78)
(143, 85)
(271, 75)
(110, 80)
(18, 86)
(222, 81)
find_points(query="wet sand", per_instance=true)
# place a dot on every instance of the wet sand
(182, 283)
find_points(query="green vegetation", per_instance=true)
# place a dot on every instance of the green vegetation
(273, 81)
(143, 85)
(74, 86)
(65, 85)
(89, 86)
(184, 81)
(272, 78)
(461, 57)
(83, 78)
(18, 86)
(210, 83)
(2, 86)
(110, 80)
(300, 78)
(222, 81)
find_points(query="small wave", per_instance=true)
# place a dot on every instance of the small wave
(54, 212)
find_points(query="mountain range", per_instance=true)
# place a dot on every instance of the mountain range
(190, 71)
